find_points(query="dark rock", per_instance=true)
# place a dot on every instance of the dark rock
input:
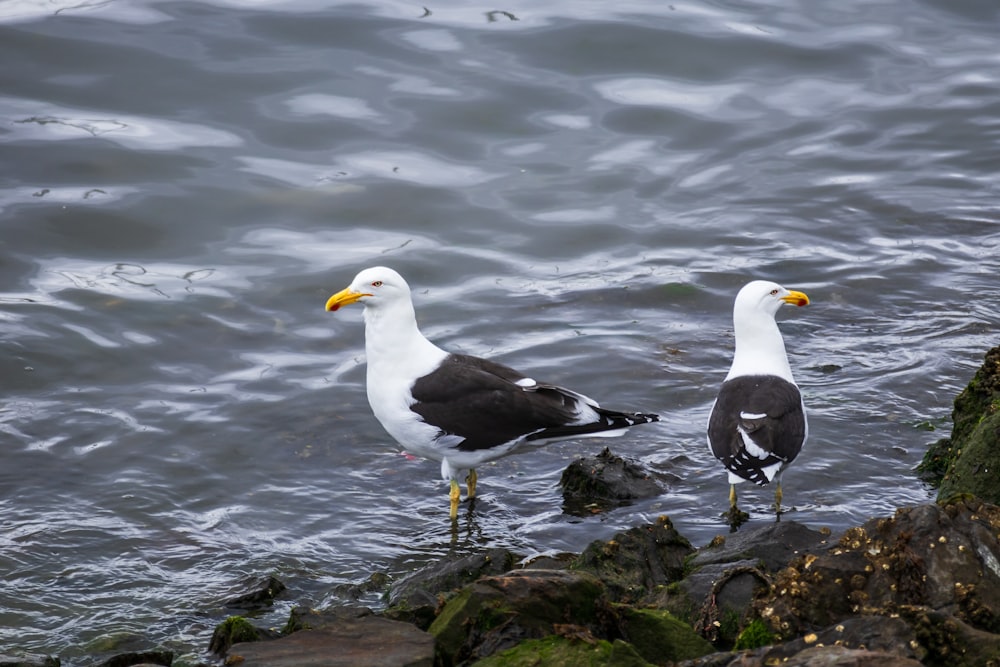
(944, 557)
(28, 660)
(885, 634)
(770, 546)
(234, 630)
(556, 651)
(599, 483)
(368, 640)
(306, 618)
(969, 461)
(417, 597)
(660, 637)
(261, 594)
(496, 613)
(951, 642)
(841, 656)
(140, 658)
(635, 563)
(376, 582)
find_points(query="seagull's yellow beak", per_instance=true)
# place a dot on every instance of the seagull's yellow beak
(344, 297)
(793, 297)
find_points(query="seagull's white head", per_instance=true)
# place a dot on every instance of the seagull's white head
(763, 295)
(372, 287)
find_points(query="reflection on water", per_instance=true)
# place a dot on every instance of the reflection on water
(578, 193)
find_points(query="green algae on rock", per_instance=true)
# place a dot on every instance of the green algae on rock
(969, 461)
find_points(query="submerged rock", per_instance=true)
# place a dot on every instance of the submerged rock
(417, 597)
(599, 483)
(28, 660)
(969, 461)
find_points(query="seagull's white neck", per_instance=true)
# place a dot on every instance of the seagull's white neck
(394, 343)
(760, 349)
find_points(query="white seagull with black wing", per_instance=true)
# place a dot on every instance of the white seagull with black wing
(457, 409)
(758, 423)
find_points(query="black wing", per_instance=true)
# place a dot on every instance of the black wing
(767, 410)
(480, 400)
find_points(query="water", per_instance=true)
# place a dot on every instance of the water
(577, 190)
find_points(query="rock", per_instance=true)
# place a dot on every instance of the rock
(727, 575)
(635, 563)
(375, 583)
(496, 613)
(598, 483)
(969, 461)
(137, 659)
(660, 637)
(769, 546)
(951, 642)
(416, 597)
(886, 635)
(28, 660)
(234, 630)
(841, 656)
(558, 651)
(368, 640)
(943, 557)
(261, 592)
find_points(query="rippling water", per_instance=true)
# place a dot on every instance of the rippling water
(575, 188)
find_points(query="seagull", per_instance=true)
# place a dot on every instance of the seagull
(758, 423)
(454, 408)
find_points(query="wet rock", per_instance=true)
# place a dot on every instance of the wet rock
(770, 546)
(969, 461)
(949, 641)
(375, 583)
(496, 613)
(137, 659)
(883, 634)
(234, 630)
(944, 557)
(260, 594)
(347, 642)
(556, 651)
(598, 483)
(417, 597)
(634, 564)
(28, 660)
(306, 618)
(660, 637)
(727, 575)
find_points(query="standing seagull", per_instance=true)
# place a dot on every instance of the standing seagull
(758, 424)
(457, 409)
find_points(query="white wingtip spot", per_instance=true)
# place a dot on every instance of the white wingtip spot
(527, 383)
(752, 415)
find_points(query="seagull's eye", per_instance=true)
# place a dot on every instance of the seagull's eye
(377, 283)
(774, 292)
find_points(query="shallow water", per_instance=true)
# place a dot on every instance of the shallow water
(577, 191)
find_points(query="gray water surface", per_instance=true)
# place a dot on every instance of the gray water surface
(577, 189)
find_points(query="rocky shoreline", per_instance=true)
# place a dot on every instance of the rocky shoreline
(921, 587)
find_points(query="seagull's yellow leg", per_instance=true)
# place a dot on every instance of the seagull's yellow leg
(470, 483)
(455, 494)
(777, 498)
(732, 496)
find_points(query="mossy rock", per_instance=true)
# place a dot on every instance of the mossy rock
(555, 651)
(659, 636)
(495, 613)
(755, 635)
(968, 462)
(636, 564)
(234, 630)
